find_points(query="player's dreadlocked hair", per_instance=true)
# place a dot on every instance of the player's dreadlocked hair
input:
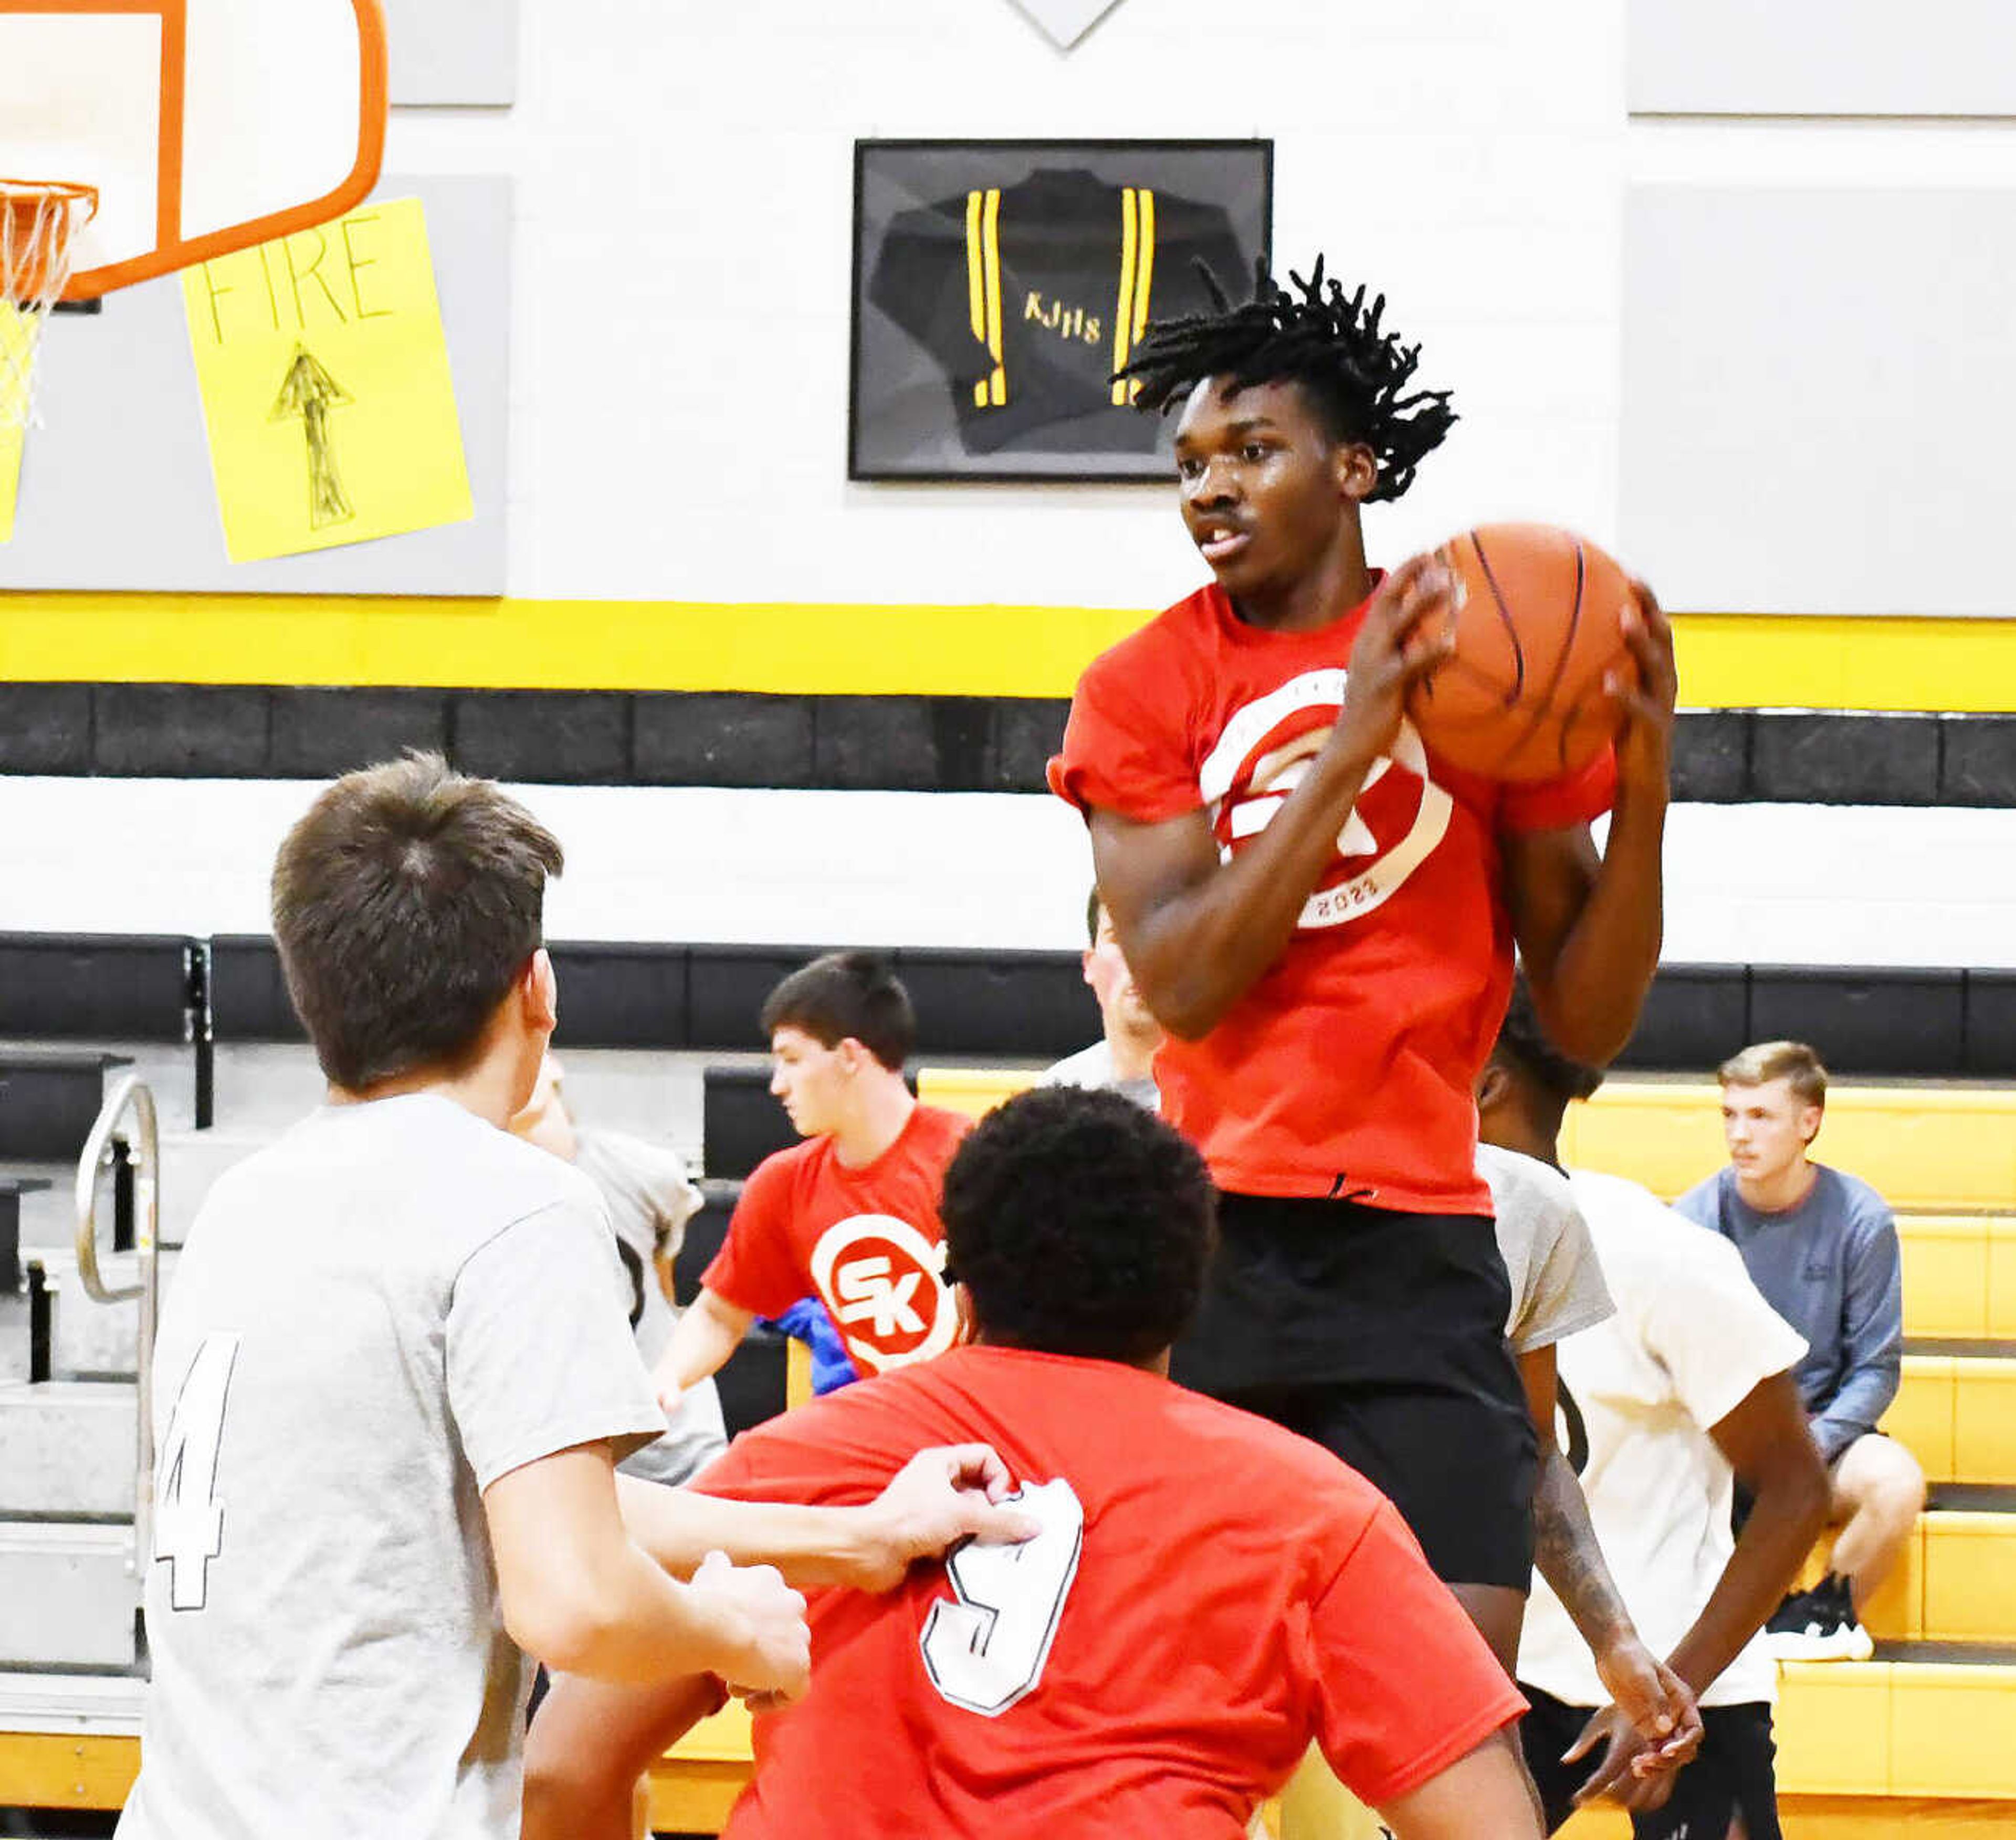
(1328, 342)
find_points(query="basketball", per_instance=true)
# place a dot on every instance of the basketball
(1521, 697)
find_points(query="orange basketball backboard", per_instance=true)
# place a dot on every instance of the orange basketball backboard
(206, 126)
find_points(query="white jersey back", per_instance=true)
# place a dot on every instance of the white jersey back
(374, 1318)
(1691, 1338)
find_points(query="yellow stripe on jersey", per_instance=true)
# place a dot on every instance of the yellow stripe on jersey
(997, 384)
(1123, 314)
(976, 284)
(1144, 270)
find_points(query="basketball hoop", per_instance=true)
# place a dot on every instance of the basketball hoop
(39, 221)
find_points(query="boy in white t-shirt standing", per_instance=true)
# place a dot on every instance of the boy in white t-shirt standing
(1685, 1390)
(394, 1377)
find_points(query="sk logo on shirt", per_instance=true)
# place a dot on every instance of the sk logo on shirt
(879, 1277)
(1260, 757)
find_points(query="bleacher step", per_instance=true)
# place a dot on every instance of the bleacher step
(1960, 1275)
(71, 1447)
(49, 1098)
(94, 1340)
(1956, 1410)
(68, 1596)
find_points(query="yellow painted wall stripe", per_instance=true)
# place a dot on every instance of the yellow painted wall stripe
(1727, 660)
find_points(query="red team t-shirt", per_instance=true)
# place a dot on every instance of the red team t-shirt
(1210, 1592)
(1347, 1069)
(866, 1239)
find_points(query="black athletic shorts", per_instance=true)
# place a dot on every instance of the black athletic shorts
(1381, 1336)
(1731, 1774)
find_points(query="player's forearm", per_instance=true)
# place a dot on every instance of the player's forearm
(709, 1331)
(1790, 1509)
(622, 1620)
(810, 1546)
(1597, 983)
(1569, 1558)
(1197, 952)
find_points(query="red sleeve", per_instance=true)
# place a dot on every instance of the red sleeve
(1554, 804)
(1116, 755)
(1405, 1685)
(758, 1267)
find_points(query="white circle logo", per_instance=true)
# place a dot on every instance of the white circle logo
(1260, 757)
(880, 1278)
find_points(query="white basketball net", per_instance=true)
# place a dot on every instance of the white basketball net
(38, 227)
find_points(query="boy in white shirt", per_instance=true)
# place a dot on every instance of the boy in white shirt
(1686, 1389)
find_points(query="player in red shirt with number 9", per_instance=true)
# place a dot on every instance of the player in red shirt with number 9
(1321, 914)
(1206, 1596)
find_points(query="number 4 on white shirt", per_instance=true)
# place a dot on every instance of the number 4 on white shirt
(986, 1651)
(189, 1519)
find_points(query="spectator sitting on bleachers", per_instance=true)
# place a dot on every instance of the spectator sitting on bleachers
(1822, 1247)
(645, 1187)
(1124, 1057)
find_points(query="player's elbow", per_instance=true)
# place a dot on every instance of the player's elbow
(566, 1620)
(1187, 1007)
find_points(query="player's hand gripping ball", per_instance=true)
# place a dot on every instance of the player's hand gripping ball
(1537, 630)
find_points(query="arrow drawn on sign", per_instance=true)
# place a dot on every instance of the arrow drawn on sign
(309, 392)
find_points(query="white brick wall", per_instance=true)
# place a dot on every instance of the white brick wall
(685, 181)
(1787, 884)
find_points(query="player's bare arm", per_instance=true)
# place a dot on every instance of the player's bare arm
(1776, 1460)
(1483, 1795)
(939, 1497)
(588, 1745)
(1589, 926)
(710, 1329)
(1660, 1707)
(1198, 933)
(579, 1594)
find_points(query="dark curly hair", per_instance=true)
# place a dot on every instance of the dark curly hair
(1081, 1224)
(1328, 342)
(1524, 1048)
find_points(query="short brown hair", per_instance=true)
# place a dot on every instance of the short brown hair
(1793, 1062)
(844, 994)
(405, 904)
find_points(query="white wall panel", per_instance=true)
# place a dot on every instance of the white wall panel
(1818, 381)
(1824, 885)
(1822, 57)
(681, 346)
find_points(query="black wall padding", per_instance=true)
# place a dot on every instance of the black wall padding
(752, 1381)
(740, 1122)
(92, 987)
(49, 1098)
(1692, 1015)
(919, 743)
(1863, 1022)
(621, 996)
(1990, 1052)
(248, 995)
(1027, 1006)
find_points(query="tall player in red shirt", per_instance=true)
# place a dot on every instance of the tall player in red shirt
(1322, 915)
(1206, 1596)
(850, 1215)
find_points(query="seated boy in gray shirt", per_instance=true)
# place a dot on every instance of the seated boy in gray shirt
(1822, 1247)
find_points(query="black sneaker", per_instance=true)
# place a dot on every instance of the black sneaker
(1819, 1624)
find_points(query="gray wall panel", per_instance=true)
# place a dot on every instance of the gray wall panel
(446, 52)
(1818, 386)
(1822, 57)
(116, 491)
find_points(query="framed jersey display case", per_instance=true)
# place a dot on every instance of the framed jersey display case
(999, 285)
